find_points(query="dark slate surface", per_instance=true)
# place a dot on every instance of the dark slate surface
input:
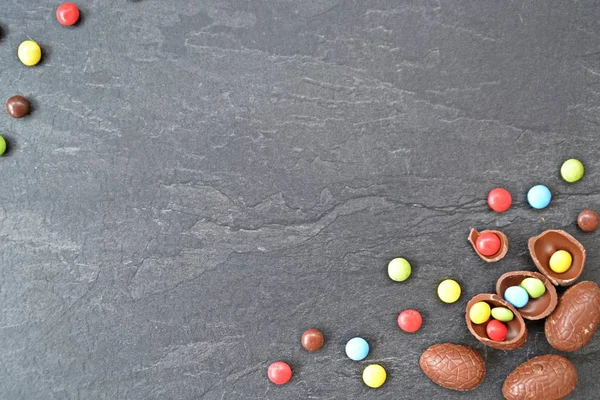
(201, 181)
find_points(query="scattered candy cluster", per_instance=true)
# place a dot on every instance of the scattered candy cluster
(30, 54)
(497, 320)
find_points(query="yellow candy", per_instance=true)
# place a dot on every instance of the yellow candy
(374, 376)
(480, 312)
(29, 53)
(560, 261)
(448, 291)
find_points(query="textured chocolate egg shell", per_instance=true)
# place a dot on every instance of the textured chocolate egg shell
(474, 234)
(549, 377)
(517, 331)
(541, 248)
(575, 320)
(453, 366)
(535, 308)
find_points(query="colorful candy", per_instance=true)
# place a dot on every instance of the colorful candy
(499, 200)
(496, 330)
(448, 291)
(535, 288)
(357, 349)
(517, 296)
(17, 106)
(588, 220)
(374, 376)
(399, 269)
(67, 14)
(480, 312)
(29, 53)
(539, 197)
(560, 261)
(312, 340)
(502, 314)
(410, 321)
(279, 373)
(572, 170)
(488, 244)
(2, 145)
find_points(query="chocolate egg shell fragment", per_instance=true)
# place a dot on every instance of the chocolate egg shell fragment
(453, 366)
(474, 234)
(541, 248)
(574, 322)
(549, 377)
(535, 308)
(517, 331)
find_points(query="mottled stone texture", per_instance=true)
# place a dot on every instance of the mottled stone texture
(201, 181)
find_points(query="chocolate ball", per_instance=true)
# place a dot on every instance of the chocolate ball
(17, 106)
(588, 220)
(313, 340)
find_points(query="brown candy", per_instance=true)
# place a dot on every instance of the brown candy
(517, 331)
(574, 322)
(549, 377)
(313, 339)
(535, 308)
(453, 366)
(17, 106)
(588, 220)
(474, 234)
(541, 248)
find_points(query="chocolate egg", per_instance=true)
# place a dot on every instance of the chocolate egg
(549, 377)
(541, 248)
(453, 366)
(474, 234)
(517, 331)
(575, 320)
(535, 308)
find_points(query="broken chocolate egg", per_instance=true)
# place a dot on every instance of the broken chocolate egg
(535, 308)
(575, 320)
(453, 366)
(517, 331)
(548, 377)
(544, 245)
(474, 234)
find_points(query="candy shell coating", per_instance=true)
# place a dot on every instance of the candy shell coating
(410, 321)
(499, 199)
(480, 312)
(67, 14)
(539, 197)
(496, 330)
(29, 53)
(448, 291)
(572, 170)
(502, 314)
(279, 373)
(357, 349)
(374, 376)
(2, 145)
(517, 296)
(535, 288)
(399, 269)
(560, 261)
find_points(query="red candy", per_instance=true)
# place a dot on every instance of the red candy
(488, 244)
(279, 373)
(67, 14)
(410, 321)
(496, 330)
(499, 200)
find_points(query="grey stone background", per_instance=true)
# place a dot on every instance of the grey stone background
(201, 181)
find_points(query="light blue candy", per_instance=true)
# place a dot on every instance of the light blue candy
(539, 197)
(357, 348)
(517, 296)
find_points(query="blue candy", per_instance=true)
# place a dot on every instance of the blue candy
(539, 197)
(357, 348)
(517, 296)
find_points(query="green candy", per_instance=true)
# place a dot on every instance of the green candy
(572, 170)
(399, 269)
(2, 145)
(502, 314)
(534, 287)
